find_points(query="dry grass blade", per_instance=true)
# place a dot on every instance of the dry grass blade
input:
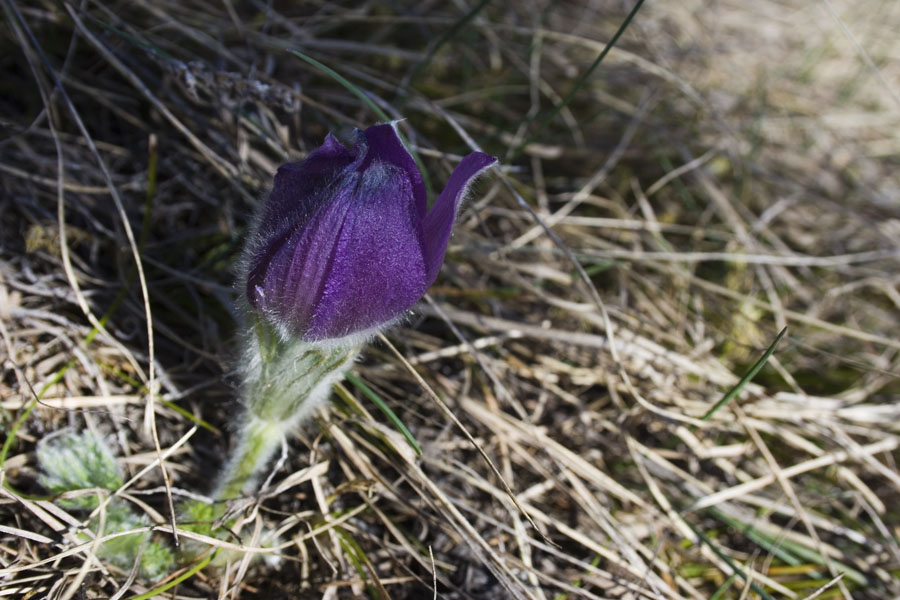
(446, 410)
(725, 170)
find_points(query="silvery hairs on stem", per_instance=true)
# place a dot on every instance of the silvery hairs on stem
(342, 247)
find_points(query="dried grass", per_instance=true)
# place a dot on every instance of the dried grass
(728, 170)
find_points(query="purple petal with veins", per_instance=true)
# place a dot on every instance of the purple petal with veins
(344, 244)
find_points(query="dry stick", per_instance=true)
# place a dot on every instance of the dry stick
(90, 557)
(615, 223)
(210, 541)
(615, 52)
(583, 79)
(679, 171)
(611, 554)
(544, 87)
(168, 452)
(401, 539)
(642, 348)
(433, 571)
(155, 516)
(110, 186)
(69, 186)
(565, 456)
(498, 567)
(244, 563)
(498, 384)
(28, 535)
(825, 587)
(587, 339)
(443, 406)
(151, 387)
(521, 535)
(37, 510)
(593, 294)
(695, 487)
(802, 444)
(781, 260)
(445, 352)
(580, 564)
(890, 474)
(676, 521)
(733, 218)
(626, 544)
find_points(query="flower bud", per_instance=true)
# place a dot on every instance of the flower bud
(345, 242)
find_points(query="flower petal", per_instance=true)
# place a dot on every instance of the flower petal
(376, 270)
(286, 285)
(385, 146)
(439, 221)
(299, 186)
(299, 191)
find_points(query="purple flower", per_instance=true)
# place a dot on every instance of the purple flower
(345, 242)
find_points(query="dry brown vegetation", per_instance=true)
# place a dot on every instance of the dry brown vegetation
(728, 170)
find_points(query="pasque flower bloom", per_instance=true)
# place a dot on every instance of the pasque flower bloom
(345, 242)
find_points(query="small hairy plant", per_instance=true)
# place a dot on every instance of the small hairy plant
(72, 462)
(76, 461)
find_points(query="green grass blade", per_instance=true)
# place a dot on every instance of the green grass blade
(183, 577)
(373, 107)
(788, 551)
(443, 39)
(11, 437)
(371, 395)
(581, 81)
(715, 548)
(729, 396)
(190, 416)
(344, 82)
(720, 593)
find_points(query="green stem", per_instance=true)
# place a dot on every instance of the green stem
(284, 380)
(259, 440)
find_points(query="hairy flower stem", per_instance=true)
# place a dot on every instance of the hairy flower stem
(284, 381)
(259, 440)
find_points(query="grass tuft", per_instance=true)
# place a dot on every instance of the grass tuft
(679, 186)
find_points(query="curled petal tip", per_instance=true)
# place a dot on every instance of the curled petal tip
(439, 221)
